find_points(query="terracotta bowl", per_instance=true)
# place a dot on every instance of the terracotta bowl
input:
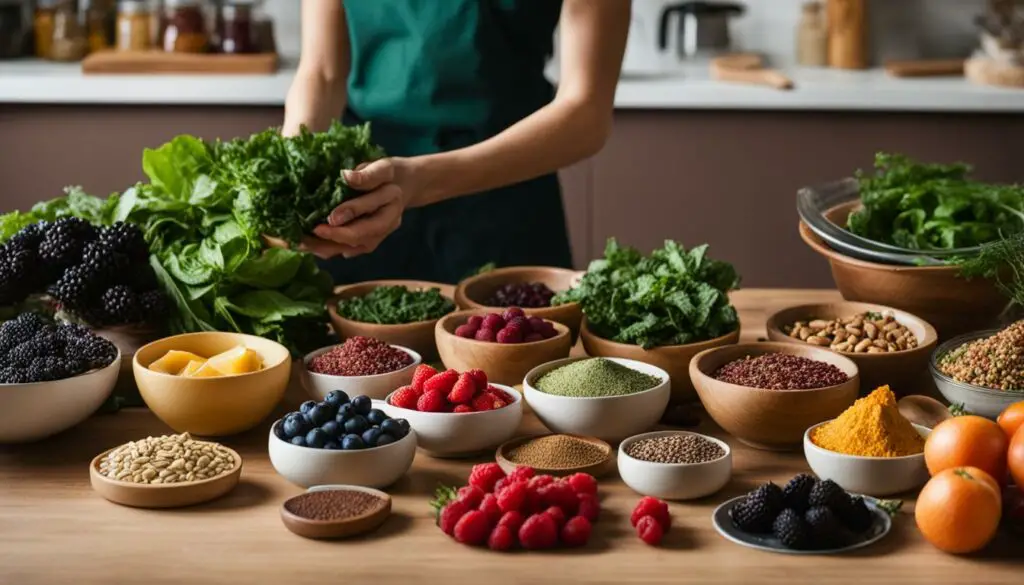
(474, 292)
(674, 359)
(171, 495)
(771, 419)
(504, 363)
(418, 337)
(935, 293)
(901, 370)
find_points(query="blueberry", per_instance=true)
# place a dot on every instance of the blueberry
(307, 406)
(316, 438)
(393, 428)
(376, 417)
(344, 413)
(362, 405)
(320, 414)
(385, 439)
(332, 445)
(356, 425)
(337, 398)
(299, 441)
(351, 442)
(296, 425)
(279, 431)
(370, 437)
(405, 427)
(332, 428)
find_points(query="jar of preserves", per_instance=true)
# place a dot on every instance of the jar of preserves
(42, 27)
(236, 23)
(99, 21)
(70, 42)
(185, 29)
(134, 25)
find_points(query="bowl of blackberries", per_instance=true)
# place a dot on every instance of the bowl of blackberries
(53, 375)
(805, 516)
(341, 441)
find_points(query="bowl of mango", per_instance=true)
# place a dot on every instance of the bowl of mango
(212, 383)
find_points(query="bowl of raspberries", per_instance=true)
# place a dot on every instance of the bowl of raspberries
(506, 344)
(456, 413)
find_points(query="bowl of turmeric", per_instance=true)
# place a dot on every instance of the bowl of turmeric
(870, 448)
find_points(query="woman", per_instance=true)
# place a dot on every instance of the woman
(455, 93)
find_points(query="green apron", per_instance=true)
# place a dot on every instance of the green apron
(436, 75)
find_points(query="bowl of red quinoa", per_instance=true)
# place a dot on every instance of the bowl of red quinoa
(768, 394)
(360, 365)
(983, 371)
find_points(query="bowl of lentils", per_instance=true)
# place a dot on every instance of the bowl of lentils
(675, 465)
(768, 394)
(360, 365)
(529, 287)
(984, 370)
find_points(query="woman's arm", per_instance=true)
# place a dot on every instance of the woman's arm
(318, 91)
(574, 126)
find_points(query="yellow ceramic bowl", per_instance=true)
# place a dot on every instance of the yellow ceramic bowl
(213, 406)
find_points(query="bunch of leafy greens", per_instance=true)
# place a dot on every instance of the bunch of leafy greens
(671, 297)
(393, 305)
(1003, 261)
(75, 203)
(933, 206)
(288, 185)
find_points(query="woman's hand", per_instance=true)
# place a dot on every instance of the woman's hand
(359, 225)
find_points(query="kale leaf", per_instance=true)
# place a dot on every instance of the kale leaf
(393, 305)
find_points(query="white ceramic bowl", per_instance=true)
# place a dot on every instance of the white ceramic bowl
(377, 467)
(674, 481)
(447, 434)
(871, 476)
(29, 412)
(610, 418)
(376, 387)
(978, 400)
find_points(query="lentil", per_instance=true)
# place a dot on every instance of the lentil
(332, 505)
(780, 371)
(360, 356)
(557, 452)
(595, 377)
(861, 333)
(167, 459)
(675, 449)
(995, 362)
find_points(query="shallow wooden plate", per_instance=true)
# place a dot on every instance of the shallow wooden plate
(596, 470)
(323, 529)
(174, 495)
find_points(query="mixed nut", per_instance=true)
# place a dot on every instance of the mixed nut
(861, 333)
(167, 459)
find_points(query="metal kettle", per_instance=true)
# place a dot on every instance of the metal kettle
(703, 27)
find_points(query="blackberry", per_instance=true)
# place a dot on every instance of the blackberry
(94, 350)
(13, 375)
(153, 304)
(853, 512)
(42, 346)
(72, 331)
(64, 241)
(121, 305)
(827, 493)
(789, 527)
(45, 369)
(770, 494)
(797, 492)
(29, 237)
(753, 515)
(142, 278)
(102, 262)
(825, 529)
(23, 328)
(76, 288)
(127, 239)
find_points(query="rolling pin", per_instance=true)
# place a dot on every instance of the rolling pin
(929, 68)
(748, 68)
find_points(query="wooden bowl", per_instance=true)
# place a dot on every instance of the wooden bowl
(325, 529)
(771, 419)
(474, 292)
(504, 363)
(418, 337)
(597, 469)
(901, 370)
(935, 293)
(674, 359)
(172, 495)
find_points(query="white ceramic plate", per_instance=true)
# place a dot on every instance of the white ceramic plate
(766, 542)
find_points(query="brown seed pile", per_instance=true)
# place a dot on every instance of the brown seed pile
(995, 362)
(334, 504)
(360, 356)
(780, 371)
(557, 452)
(167, 459)
(861, 333)
(675, 449)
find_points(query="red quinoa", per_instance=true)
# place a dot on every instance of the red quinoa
(360, 356)
(780, 371)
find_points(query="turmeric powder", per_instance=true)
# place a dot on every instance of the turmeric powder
(872, 427)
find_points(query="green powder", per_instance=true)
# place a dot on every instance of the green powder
(595, 377)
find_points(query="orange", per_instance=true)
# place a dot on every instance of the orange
(1016, 459)
(1012, 418)
(967, 440)
(958, 510)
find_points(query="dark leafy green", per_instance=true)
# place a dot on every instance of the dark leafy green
(393, 305)
(671, 297)
(1002, 260)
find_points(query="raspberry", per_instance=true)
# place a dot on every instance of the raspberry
(533, 337)
(538, 532)
(476, 321)
(465, 331)
(648, 506)
(521, 322)
(405, 397)
(583, 483)
(556, 513)
(533, 502)
(502, 538)
(576, 531)
(649, 530)
(536, 324)
(512, 496)
(462, 408)
(431, 402)
(464, 389)
(512, 313)
(510, 334)
(473, 528)
(521, 474)
(512, 519)
(559, 494)
(500, 484)
(480, 377)
(485, 334)
(450, 516)
(421, 375)
(442, 382)
(485, 475)
(489, 506)
(494, 322)
(471, 495)
(486, 401)
(589, 508)
(540, 481)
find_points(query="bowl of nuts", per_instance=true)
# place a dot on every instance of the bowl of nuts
(890, 346)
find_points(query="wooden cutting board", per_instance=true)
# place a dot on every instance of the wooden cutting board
(925, 68)
(158, 62)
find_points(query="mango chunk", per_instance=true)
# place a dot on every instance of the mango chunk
(174, 362)
(192, 367)
(237, 360)
(204, 371)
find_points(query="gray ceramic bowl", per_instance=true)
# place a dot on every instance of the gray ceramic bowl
(977, 400)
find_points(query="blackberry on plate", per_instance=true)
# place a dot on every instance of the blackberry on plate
(127, 239)
(797, 492)
(753, 515)
(64, 241)
(121, 305)
(827, 493)
(825, 529)
(789, 527)
(853, 512)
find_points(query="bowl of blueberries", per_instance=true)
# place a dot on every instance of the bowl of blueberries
(341, 441)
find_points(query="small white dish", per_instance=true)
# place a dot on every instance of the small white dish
(377, 387)
(873, 476)
(674, 481)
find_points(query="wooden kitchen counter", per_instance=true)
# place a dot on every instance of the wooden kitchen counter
(55, 530)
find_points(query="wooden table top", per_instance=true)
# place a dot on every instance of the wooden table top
(54, 529)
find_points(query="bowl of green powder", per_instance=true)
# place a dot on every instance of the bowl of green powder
(608, 398)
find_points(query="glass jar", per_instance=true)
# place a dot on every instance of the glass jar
(185, 30)
(812, 37)
(42, 27)
(99, 18)
(134, 25)
(15, 29)
(237, 27)
(70, 42)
